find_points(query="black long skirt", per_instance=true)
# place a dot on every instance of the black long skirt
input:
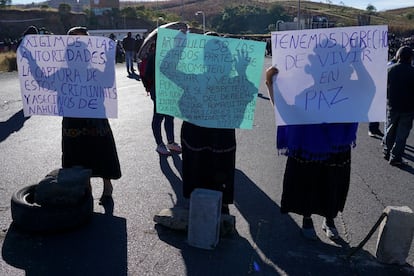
(311, 187)
(208, 156)
(90, 143)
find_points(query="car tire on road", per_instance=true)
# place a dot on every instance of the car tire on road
(31, 217)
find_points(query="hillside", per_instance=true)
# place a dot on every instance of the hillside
(146, 14)
(399, 20)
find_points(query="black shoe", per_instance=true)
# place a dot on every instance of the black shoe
(225, 209)
(105, 199)
(309, 234)
(375, 133)
(308, 230)
(397, 162)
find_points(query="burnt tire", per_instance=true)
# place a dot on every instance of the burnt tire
(31, 217)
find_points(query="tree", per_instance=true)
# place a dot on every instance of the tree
(329, 2)
(64, 9)
(370, 8)
(129, 12)
(4, 3)
(244, 19)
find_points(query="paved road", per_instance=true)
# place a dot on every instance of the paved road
(126, 241)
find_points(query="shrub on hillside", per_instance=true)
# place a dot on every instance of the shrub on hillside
(8, 62)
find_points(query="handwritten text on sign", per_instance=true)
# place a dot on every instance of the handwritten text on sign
(71, 76)
(207, 80)
(330, 75)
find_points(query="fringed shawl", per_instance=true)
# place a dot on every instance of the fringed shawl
(317, 141)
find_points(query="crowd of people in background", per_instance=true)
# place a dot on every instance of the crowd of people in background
(395, 42)
(10, 43)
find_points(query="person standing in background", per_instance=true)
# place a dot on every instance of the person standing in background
(128, 43)
(31, 30)
(373, 127)
(138, 43)
(400, 106)
(149, 83)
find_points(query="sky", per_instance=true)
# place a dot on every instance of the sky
(380, 5)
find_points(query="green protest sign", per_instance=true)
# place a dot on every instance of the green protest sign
(209, 81)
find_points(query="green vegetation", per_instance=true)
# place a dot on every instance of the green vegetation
(371, 9)
(235, 16)
(8, 61)
(4, 3)
(257, 16)
(246, 19)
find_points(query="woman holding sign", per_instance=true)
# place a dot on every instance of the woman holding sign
(315, 181)
(89, 142)
(214, 93)
(87, 138)
(318, 167)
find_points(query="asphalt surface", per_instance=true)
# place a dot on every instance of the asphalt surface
(123, 239)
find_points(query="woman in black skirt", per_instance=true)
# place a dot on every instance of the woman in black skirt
(89, 143)
(209, 156)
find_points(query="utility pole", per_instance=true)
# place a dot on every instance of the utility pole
(182, 10)
(204, 20)
(299, 15)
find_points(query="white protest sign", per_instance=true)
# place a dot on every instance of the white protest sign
(71, 76)
(330, 75)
